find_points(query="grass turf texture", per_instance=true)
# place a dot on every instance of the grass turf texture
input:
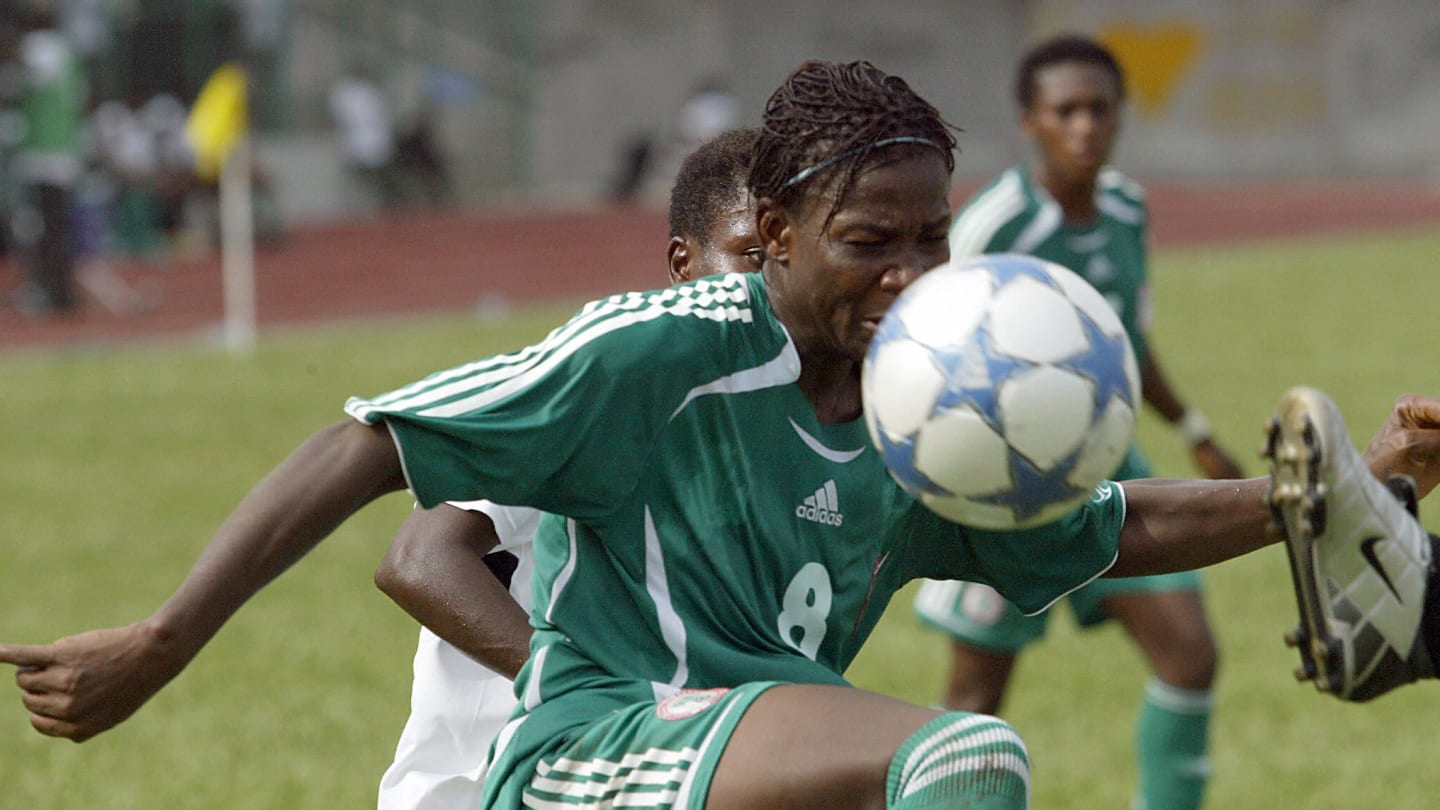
(119, 464)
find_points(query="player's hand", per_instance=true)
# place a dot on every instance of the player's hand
(1213, 461)
(84, 684)
(1409, 442)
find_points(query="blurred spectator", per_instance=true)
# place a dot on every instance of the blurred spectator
(365, 131)
(127, 151)
(710, 110)
(91, 238)
(421, 164)
(172, 171)
(86, 23)
(648, 161)
(47, 162)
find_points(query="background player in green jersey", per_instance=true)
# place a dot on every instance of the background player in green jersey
(1072, 208)
(691, 625)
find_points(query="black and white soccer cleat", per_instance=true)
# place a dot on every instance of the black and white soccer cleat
(1359, 559)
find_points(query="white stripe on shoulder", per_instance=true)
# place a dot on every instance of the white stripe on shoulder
(977, 224)
(1045, 223)
(1112, 178)
(723, 299)
(1120, 197)
(1117, 208)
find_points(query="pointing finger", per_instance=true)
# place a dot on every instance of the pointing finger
(26, 655)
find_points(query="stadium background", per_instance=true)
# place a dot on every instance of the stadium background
(124, 447)
(1246, 119)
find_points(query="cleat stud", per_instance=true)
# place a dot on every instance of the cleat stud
(1300, 676)
(1272, 435)
(1319, 515)
(1277, 517)
(1292, 638)
(1334, 683)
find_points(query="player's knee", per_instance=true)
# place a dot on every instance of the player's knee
(977, 679)
(1189, 661)
(969, 695)
(977, 758)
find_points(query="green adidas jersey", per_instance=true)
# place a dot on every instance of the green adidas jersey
(1013, 214)
(705, 529)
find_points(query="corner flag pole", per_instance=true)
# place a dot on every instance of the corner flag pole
(237, 248)
(218, 131)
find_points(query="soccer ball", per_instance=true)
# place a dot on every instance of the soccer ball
(1001, 390)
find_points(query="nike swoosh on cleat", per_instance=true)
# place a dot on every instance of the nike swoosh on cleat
(1367, 548)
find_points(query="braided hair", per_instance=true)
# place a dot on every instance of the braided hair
(825, 120)
(710, 179)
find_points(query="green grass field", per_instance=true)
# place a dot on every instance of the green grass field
(119, 464)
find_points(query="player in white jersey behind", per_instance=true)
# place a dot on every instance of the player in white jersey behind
(458, 702)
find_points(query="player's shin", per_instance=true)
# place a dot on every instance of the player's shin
(1172, 745)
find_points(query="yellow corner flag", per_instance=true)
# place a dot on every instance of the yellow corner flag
(218, 119)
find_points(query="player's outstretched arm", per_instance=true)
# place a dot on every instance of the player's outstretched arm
(1173, 525)
(1178, 525)
(84, 684)
(435, 569)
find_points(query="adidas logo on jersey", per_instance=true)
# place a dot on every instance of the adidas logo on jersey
(822, 507)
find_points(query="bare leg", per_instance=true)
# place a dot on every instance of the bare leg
(978, 679)
(813, 746)
(1173, 633)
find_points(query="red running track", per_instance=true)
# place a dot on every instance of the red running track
(458, 261)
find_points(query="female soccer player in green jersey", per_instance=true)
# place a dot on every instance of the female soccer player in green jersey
(692, 626)
(450, 566)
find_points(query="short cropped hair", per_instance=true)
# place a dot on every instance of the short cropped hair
(1060, 50)
(711, 179)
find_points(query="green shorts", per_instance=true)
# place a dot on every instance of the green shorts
(652, 754)
(978, 616)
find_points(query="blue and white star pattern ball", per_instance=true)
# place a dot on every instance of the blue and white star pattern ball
(1001, 390)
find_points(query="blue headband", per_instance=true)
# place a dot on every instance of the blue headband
(801, 175)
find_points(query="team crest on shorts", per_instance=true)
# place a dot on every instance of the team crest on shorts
(688, 702)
